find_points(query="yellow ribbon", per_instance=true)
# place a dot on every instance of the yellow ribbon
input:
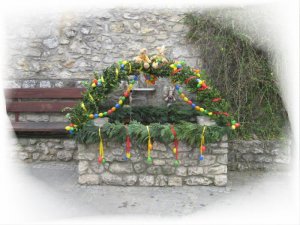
(101, 149)
(91, 97)
(102, 79)
(149, 142)
(117, 73)
(202, 141)
(83, 106)
(129, 68)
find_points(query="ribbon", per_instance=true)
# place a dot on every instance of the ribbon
(149, 143)
(91, 98)
(101, 149)
(102, 79)
(129, 68)
(83, 106)
(175, 140)
(128, 144)
(202, 141)
(189, 79)
(117, 73)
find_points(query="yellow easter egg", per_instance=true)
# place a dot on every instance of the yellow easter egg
(182, 95)
(185, 99)
(201, 110)
(150, 146)
(197, 108)
(120, 102)
(174, 150)
(233, 127)
(113, 109)
(94, 85)
(100, 114)
(67, 127)
(210, 113)
(128, 155)
(91, 116)
(124, 62)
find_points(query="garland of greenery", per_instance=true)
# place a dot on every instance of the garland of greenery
(208, 102)
(186, 131)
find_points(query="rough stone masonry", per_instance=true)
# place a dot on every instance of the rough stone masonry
(162, 172)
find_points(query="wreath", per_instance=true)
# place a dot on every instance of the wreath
(185, 79)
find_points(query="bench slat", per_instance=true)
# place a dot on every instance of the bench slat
(40, 93)
(57, 127)
(45, 107)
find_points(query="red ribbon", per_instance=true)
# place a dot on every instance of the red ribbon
(216, 99)
(189, 79)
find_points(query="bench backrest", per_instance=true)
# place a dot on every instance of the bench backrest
(40, 100)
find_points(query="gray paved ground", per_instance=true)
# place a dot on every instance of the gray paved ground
(52, 189)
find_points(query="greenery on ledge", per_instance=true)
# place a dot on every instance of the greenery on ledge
(186, 131)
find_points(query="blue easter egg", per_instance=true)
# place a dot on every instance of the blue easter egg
(177, 87)
(193, 105)
(99, 84)
(198, 80)
(117, 106)
(96, 115)
(201, 157)
(122, 66)
(136, 78)
(71, 131)
(179, 66)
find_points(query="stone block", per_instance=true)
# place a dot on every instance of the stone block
(86, 156)
(111, 179)
(159, 162)
(216, 151)
(195, 170)
(223, 145)
(130, 180)
(216, 170)
(23, 155)
(121, 167)
(205, 121)
(83, 167)
(198, 181)
(222, 159)
(220, 180)
(69, 144)
(181, 171)
(97, 167)
(208, 160)
(91, 179)
(175, 181)
(161, 181)
(35, 156)
(146, 180)
(154, 170)
(65, 155)
(168, 170)
(139, 167)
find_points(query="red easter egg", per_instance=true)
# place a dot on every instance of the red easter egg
(203, 148)
(100, 159)
(109, 112)
(95, 81)
(190, 102)
(237, 125)
(126, 94)
(71, 125)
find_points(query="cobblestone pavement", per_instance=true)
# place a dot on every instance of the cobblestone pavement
(56, 195)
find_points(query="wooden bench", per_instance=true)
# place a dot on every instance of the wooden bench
(40, 100)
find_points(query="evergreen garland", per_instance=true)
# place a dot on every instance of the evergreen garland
(102, 84)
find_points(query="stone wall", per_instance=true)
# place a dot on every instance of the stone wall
(256, 154)
(46, 149)
(242, 155)
(162, 172)
(63, 49)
